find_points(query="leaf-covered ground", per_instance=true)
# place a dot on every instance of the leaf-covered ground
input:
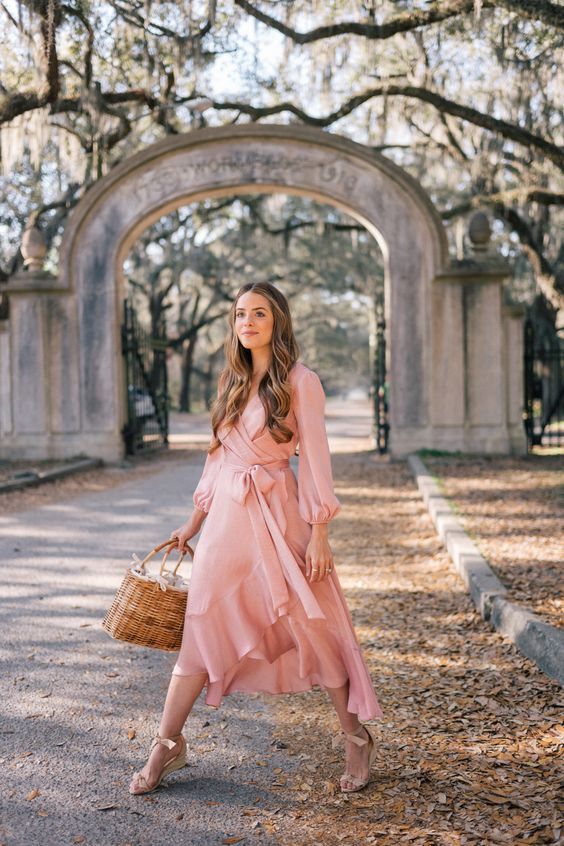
(513, 507)
(471, 732)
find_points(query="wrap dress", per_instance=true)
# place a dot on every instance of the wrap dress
(254, 621)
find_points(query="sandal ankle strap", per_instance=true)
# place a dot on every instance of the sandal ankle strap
(169, 742)
(339, 739)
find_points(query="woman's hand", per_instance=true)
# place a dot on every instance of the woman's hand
(318, 557)
(188, 529)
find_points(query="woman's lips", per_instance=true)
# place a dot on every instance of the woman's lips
(249, 333)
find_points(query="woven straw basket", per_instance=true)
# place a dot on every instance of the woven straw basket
(148, 609)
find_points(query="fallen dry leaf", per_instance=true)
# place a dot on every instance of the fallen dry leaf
(509, 504)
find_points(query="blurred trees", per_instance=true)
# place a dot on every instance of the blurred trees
(464, 94)
(190, 264)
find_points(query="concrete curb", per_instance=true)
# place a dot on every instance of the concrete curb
(536, 640)
(32, 479)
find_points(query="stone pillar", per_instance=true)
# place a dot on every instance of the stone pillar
(475, 387)
(38, 361)
(484, 365)
(448, 366)
(513, 322)
(5, 381)
(40, 414)
(29, 386)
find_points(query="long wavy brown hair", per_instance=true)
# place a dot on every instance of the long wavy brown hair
(235, 379)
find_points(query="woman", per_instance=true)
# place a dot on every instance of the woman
(265, 608)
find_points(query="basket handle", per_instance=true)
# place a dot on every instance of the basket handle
(171, 543)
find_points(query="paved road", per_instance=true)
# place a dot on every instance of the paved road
(71, 693)
(348, 425)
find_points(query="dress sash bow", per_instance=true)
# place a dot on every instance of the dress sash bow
(263, 488)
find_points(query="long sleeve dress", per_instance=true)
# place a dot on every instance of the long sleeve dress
(254, 622)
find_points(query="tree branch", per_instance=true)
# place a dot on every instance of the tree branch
(403, 22)
(50, 19)
(77, 13)
(12, 105)
(519, 195)
(544, 272)
(133, 17)
(549, 13)
(442, 104)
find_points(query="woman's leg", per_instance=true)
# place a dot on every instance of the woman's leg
(357, 756)
(182, 693)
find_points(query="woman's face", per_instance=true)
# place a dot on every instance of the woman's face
(254, 320)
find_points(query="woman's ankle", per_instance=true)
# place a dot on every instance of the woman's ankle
(171, 735)
(357, 730)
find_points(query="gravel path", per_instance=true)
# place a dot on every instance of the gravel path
(73, 696)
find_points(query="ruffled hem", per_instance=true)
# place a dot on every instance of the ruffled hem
(243, 646)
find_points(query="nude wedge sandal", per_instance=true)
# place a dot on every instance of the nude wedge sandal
(171, 766)
(339, 740)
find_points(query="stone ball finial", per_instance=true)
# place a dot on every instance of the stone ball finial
(33, 249)
(479, 230)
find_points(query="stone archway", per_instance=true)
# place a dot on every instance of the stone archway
(429, 405)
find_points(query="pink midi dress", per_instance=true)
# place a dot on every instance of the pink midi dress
(254, 621)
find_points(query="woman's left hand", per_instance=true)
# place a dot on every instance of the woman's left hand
(318, 556)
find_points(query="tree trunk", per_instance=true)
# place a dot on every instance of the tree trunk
(187, 364)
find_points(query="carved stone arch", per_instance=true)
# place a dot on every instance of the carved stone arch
(448, 349)
(252, 159)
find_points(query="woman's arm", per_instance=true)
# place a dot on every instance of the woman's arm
(316, 494)
(317, 501)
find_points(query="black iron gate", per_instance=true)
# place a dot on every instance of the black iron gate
(146, 384)
(544, 388)
(381, 424)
